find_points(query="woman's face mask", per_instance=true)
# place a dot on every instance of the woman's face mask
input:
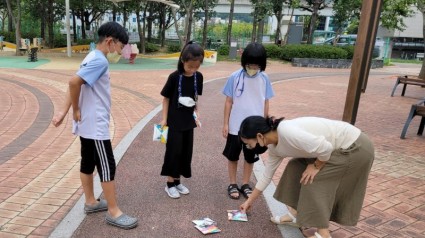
(258, 149)
(114, 57)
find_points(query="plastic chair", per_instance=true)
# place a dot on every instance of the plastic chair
(417, 109)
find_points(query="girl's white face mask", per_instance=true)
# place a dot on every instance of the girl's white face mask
(187, 101)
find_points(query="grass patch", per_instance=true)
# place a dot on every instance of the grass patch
(226, 58)
(406, 61)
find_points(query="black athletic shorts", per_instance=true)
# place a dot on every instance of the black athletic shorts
(99, 154)
(233, 148)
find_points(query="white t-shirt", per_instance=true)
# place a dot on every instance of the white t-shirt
(95, 98)
(307, 137)
(248, 94)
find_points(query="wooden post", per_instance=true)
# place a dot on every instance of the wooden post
(369, 19)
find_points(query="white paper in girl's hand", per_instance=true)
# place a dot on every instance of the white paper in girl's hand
(160, 134)
(197, 121)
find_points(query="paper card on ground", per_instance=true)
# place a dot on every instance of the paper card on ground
(236, 215)
(206, 226)
(160, 134)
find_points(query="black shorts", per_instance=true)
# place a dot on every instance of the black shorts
(99, 154)
(233, 148)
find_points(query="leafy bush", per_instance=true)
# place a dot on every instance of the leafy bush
(273, 51)
(172, 48)
(150, 47)
(8, 36)
(312, 51)
(350, 51)
(223, 50)
(59, 41)
(84, 41)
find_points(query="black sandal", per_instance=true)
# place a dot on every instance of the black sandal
(233, 188)
(246, 190)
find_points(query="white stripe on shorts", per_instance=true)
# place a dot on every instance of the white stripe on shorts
(100, 147)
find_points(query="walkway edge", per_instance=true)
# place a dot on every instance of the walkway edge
(276, 208)
(75, 216)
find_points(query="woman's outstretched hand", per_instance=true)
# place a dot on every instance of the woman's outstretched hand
(246, 206)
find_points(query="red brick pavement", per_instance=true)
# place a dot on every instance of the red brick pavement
(40, 183)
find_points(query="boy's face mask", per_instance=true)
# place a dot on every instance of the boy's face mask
(187, 101)
(114, 57)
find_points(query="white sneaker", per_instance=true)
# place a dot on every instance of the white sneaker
(172, 192)
(182, 189)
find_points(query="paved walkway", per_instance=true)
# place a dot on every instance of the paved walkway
(40, 192)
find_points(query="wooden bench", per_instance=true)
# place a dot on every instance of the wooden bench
(417, 109)
(407, 80)
(420, 56)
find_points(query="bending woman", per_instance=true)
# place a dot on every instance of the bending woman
(326, 178)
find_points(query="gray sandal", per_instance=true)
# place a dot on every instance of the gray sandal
(101, 206)
(124, 221)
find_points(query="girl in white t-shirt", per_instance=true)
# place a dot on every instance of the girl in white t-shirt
(247, 92)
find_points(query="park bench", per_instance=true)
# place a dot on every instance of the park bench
(420, 56)
(417, 109)
(407, 80)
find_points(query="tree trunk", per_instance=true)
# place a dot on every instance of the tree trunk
(421, 7)
(204, 32)
(189, 23)
(50, 23)
(161, 26)
(278, 35)
(176, 26)
(10, 23)
(17, 21)
(149, 26)
(254, 29)
(143, 39)
(2, 23)
(42, 8)
(260, 31)
(229, 26)
(43, 27)
(285, 39)
(124, 16)
(313, 19)
(83, 26)
(74, 25)
(139, 25)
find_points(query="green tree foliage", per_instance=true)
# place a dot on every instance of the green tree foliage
(393, 12)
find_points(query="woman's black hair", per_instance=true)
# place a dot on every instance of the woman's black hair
(191, 51)
(114, 30)
(254, 53)
(253, 125)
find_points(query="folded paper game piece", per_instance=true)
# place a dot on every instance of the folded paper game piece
(206, 226)
(236, 215)
(160, 134)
